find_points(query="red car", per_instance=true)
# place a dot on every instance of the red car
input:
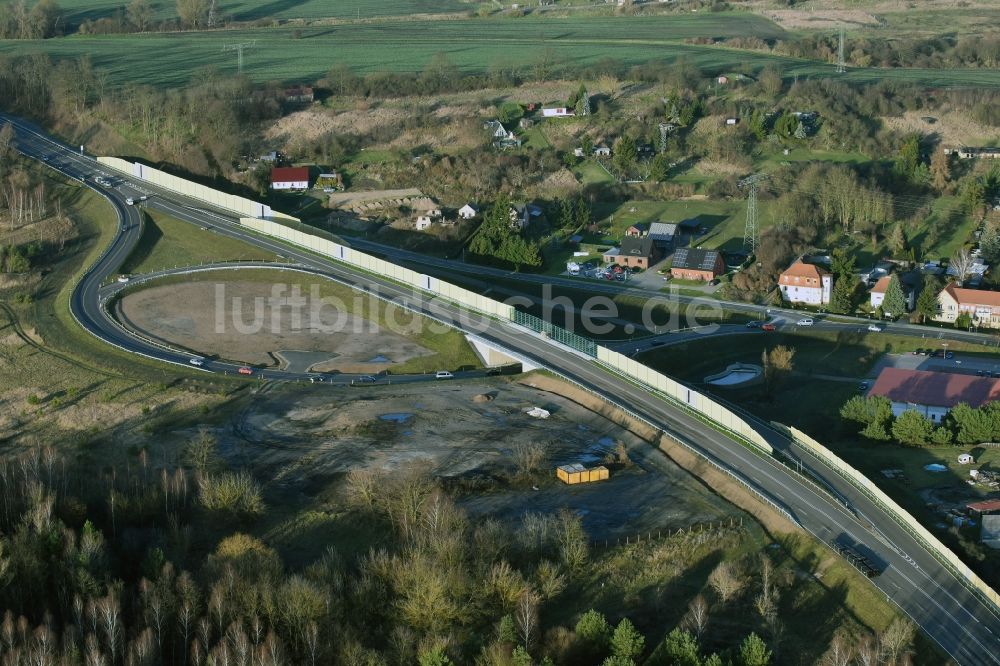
(768, 327)
(245, 371)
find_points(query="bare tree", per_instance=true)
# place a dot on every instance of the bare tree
(528, 458)
(696, 619)
(725, 580)
(839, 653)
(896, 640)
(526, 616)
(961, 264)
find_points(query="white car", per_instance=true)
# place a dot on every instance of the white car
(874, 328)
(443, 374)
(197, 362)
(130, 201)
(123, 278)
(804, 322)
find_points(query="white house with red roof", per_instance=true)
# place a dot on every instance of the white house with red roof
(806, 283)
(933, 394)
(877, 294)
(982, 306)
(290, 178)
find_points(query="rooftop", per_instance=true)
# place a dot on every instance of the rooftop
(662, 230)
(289, 174)
(974, 296)
(938, 389)
(984, 506)
(803, 270)
(687, 257)
(637, 247)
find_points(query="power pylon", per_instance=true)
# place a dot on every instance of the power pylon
(239, 48)
(841, 65)
(750, 237)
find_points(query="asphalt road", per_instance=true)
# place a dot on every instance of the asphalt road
(964, 626)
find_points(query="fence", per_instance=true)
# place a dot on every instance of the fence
(899, 513)
(194, 190)
(627, 367)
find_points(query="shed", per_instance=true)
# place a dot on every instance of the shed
(984, 507)
(965, 459)
(577, 473)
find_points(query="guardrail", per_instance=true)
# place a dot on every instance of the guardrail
(658, 383)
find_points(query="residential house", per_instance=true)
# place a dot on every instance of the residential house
(502, 137)
(578, 152)
(806, 283)
(877, 295)
(602, 151)
(662, 233)
(694, 264)
(424, 222)
(982, 306)
(635, 252)
(637, 230)
(521, 214)
(558, 112)
(290, 178)
(967, 153)
(299, 95)
(645, 151)
(933, 394)
(468, 211)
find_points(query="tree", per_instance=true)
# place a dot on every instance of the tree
(912, 428)
(867, 409)
(754, 652)
(989, 243)
(593, 631)
(909, 158)
(193, 13)
(927, 303)
(894, 302)
(800, 131)
(627, 642)
(679, 648)
(961, 263)
(972, 426)
(771, 81)
(696, 618)
(625, 153)
(510, 112)
(940, 170)
(842, 298)
(725, 580)
(140, 15)
(777, 366)
(659, 169)
(434, 657)
(897, 240)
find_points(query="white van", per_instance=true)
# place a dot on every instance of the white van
(197, 362)
(130, 201)
(443, 374)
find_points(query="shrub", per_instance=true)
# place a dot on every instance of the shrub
(238, 494)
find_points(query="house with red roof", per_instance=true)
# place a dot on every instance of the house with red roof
(806, 283)
(983, 307)
(290, 178)
(933, 394)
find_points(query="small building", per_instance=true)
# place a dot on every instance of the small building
(602, 151)
(578, 152)
(424, 222)
(637, 230)
(877, 295)
(732, 121)
(271, 157)
(635, 252)
(300, 95)
(967, 153)
(806, 283)
(723, 80)
(502, 137)
(983, 307)
(558, 112)
(693, 264)
(933, 394)
(577, 473)
(990, 532)
(525, 123)
(984, 507)
(662, 233)
(965, 459)
(644, 151)
(468, 211)
(290, 178)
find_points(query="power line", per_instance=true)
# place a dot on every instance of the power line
(750, 231)
(239, 48)
(841, 66)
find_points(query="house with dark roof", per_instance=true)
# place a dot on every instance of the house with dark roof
(693, 264)
(663, 232)
(635, 252)
(933, 394)
(983, 307)
(638, 230)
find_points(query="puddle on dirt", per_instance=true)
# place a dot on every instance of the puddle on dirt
(379, 359)
(396, 417)
(598, 451)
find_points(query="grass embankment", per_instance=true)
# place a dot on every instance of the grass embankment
(451, 350)
(168, 242)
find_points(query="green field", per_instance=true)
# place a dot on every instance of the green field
(77, 11)
(471, 44)
(167, 242)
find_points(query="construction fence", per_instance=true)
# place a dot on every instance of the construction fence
(658, 382)
(902, 516)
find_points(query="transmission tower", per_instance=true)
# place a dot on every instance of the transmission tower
(841, 66)
(750, 236)
(239, 48)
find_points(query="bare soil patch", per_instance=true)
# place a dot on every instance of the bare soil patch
(953, 128)
(247, 324)
(307, 440)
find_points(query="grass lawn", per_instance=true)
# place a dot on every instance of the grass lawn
(590, 172)
(535, 138)
(168, 242)
(953, 226)
(725, 220)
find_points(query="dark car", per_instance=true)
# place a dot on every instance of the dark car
(768, 327)
(980, 373)
(949, 354)
(863, 386)
(367, 378)
(917, 351)
(754, 324)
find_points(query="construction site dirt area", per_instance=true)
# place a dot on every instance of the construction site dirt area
(302, 442)
(244, 321)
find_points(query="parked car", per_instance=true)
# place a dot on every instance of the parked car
(245, 371)
(874, 328)
(804, 322)
(863, 386)
(768, 327)
(918, 351)
(949, 354)
(367, 378)
(443, 374)
(980, 373)
(754, 324)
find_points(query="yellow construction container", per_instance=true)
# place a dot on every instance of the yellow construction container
(577, 473)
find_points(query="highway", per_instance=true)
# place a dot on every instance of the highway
(964, 626)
